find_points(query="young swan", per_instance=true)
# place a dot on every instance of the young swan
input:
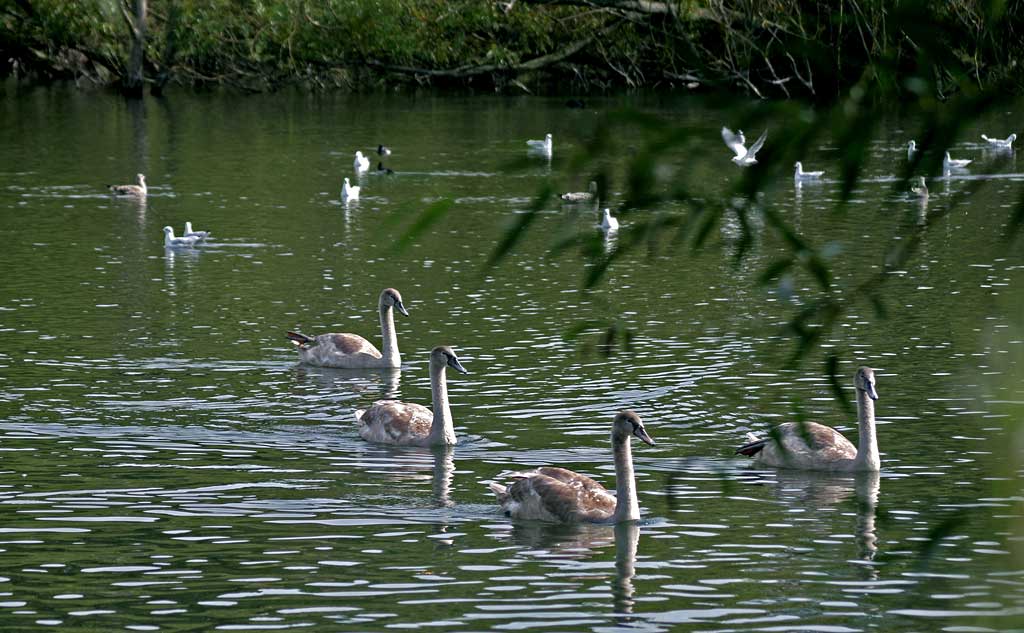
(920, 188)
(827, 449)
(130, 190)
(408, 424)
(582, 196)
(557, 494)
(351, 351)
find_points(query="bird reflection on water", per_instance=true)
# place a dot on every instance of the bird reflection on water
(827, 490)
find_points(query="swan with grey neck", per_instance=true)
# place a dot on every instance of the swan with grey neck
(812, 446)
(138, 190)
(558, 494)
(351, 351)
(582, 196)
(410, 424)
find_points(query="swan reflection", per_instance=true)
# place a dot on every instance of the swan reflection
(824, 490)
(411, 465)
(577, 544)
(385, 382)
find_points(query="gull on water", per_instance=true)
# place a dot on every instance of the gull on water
(348, 192)
(799, 174)
(608, 221)
(1006, 143)
(744, 156)
(542, 147)
(199, 235)
(361, 163)
(130, 190)
(582, 196)
(177, 242)
(954, 163)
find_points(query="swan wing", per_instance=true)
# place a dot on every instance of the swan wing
(558, 494)
(809, 446)
(339, 350)
(395, 422)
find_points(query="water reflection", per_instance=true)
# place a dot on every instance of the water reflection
(627, 540)
(327, 381)
(823, 491)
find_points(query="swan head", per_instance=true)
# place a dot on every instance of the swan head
(864, 380)
(188, 226)
(141, 179)
(799, 166)
(359, 155)
(628, 423)
(1011, 138)
(346, 182)
(444, 356)
(391, 298)
(912, 146)
(169, 232)
(948, 157)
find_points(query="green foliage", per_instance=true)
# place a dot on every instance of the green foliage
(784, 48)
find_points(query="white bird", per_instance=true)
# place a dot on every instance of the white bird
(351, 351)
(177, 242)
(581, 196)
(410, 424)
(799, 174)
(608, 221)
(543, 147)
(813, 446)
(361, 163)
(1006, 143)
(348, 192)
(744, 156)
(911, 149)
(920, 188)
(954, 163)
(199, 235)
(138, 190)
(557, 494)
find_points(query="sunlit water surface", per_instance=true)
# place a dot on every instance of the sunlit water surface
(167, 466)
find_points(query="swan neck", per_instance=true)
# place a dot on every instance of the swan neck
(627, 507)
(389, 340)
(867, 447)
(442, 429)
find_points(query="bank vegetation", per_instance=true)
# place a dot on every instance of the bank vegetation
(771, 49)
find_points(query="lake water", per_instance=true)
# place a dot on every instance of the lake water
(165, 465)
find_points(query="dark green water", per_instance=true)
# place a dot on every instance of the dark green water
(166, 465)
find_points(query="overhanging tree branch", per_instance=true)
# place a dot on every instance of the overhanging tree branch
(464, 72)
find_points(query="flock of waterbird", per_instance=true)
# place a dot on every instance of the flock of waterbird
(553, 493)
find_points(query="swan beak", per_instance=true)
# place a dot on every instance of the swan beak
(457, 366)
(871, 391)
(641, 432)
(401, 308)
